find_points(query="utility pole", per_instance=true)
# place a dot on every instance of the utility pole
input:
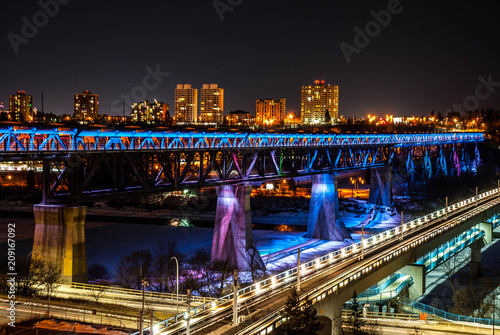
(151, 323)
(141, 313)
(235, 298)
(362, 240)
(298, 270)
(446, 208)
(188, 310)
(402, 221)
(142, 309)
(177, 297)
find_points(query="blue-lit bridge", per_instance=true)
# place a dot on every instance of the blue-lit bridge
(87, 164)
(82, 165)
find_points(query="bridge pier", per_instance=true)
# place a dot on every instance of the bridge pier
(476, 264)
(381, 186)
(323, 210)
(417, 272)
(487, 227)
(233, 240)
(331, 308)
(60, 239)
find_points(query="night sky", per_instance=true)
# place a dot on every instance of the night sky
(428, 57)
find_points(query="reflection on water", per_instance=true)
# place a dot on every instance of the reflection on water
(180, 222)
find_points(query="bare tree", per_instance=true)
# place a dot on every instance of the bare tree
(128, 268)
(164, 267)
(200, 263)
(416, 330)
(51, 278)
(97, 293)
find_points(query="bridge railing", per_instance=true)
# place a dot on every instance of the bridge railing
(26, 139)
(447, 315)
(131, 293)
(385, 295)
(287, 276)
(436, 257)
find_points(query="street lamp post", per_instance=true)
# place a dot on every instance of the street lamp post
(298, 270)
(177, 296)
(144, 282)
(362, 238)
(446, 208)
(402, 223)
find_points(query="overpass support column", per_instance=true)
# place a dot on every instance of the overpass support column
(323, 210)
(331, 307)
(417, 272)
(233, 240)
(381, 186)
(488, 231)
(60, 239)
(476, 264)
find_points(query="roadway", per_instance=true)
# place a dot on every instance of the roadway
(333, 273)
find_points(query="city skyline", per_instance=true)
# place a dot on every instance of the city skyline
(414, 57)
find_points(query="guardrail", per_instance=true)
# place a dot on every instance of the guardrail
(447, 315)
(436, 257)
(392, 316)
(379, 294)
(287, 276)
(131, 293)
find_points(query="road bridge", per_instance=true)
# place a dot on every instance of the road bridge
(330, 280)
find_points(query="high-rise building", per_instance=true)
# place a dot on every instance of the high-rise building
(186, 107)
(270, 112)
(21, 107)
(316, 100)
(149, 112)
(239, 118)
(212, 104)
(86, 106)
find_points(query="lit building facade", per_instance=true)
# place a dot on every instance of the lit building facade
(240, 118)
(316, 100)
(186, 104)
(270, 112)
(21, 107)
(211, 104)
(86, 106)
(154, 112)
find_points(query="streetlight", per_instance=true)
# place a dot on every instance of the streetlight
(355, 184)
(144, 282)
(362, 240)
(177, 297)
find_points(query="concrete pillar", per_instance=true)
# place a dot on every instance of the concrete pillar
(60, 238)
(323, 210)
(417, 272)
(381, 186)
(233, 240)
(476, 265)
(331, 307)
(488, 231)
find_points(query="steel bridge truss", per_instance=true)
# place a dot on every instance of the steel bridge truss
(81, 165)
(87, 176)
